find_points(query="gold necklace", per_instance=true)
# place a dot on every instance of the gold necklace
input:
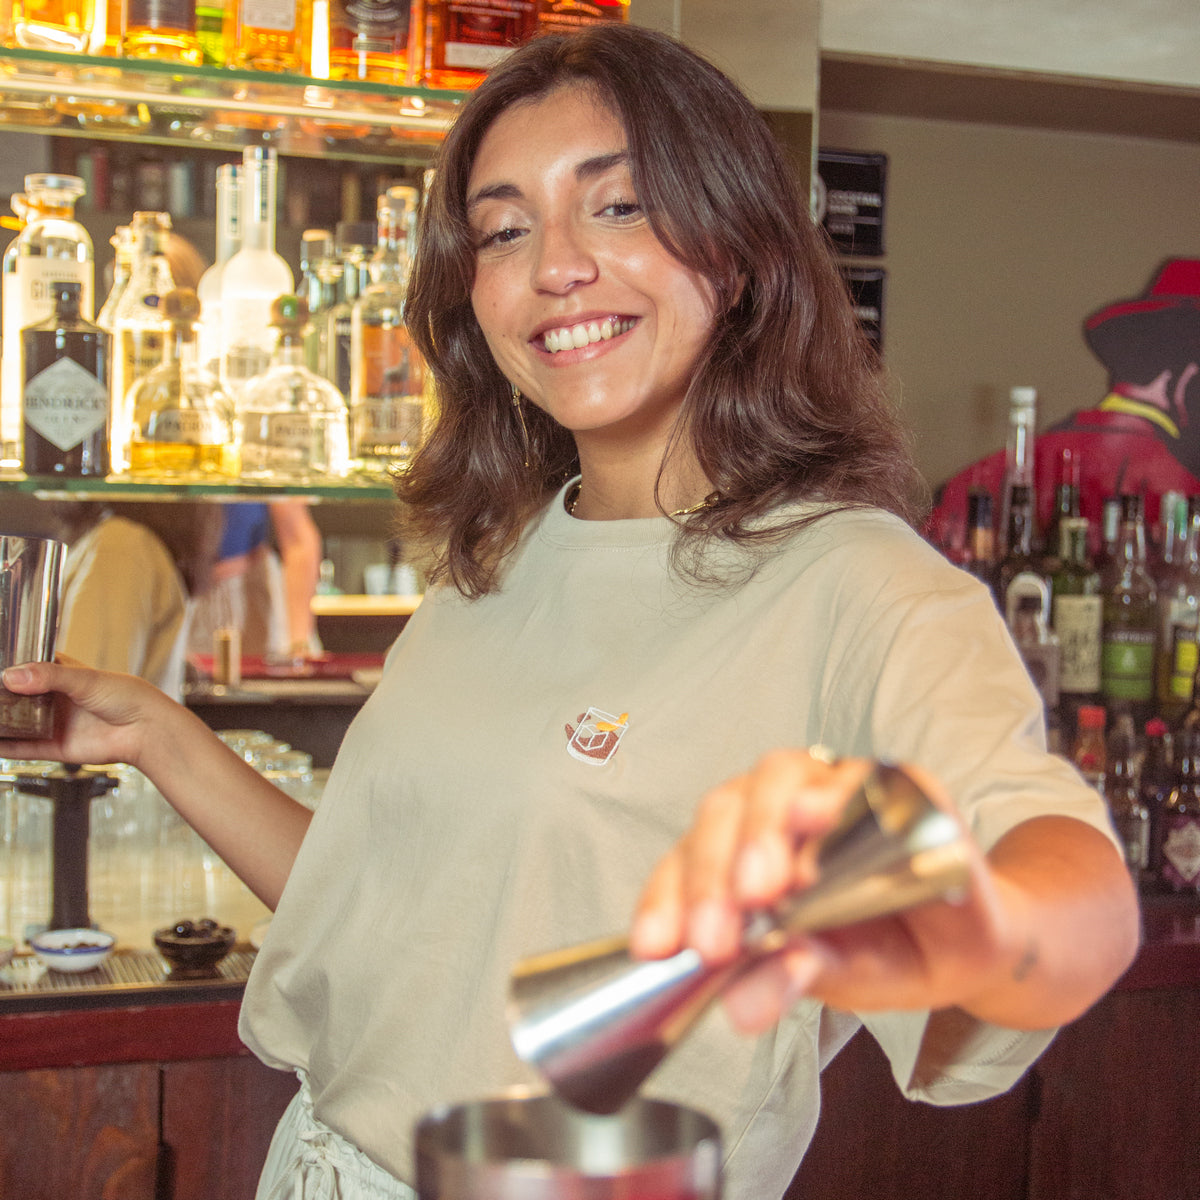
(571, 499)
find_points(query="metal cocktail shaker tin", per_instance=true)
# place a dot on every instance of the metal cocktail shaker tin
(30, 579)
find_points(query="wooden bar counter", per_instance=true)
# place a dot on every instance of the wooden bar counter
(149, 1095)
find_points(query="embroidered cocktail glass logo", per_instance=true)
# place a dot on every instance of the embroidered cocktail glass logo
(596, 738)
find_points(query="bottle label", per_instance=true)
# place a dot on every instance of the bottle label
(179, 426)
(65, 403)
(269, 14)
(387, 427)
(1127, 664)
(381, 20)
(1077, 621)
(480, 33)
(1181, 851)
(1185, 656)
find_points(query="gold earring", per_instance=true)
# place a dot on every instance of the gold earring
(516, 399)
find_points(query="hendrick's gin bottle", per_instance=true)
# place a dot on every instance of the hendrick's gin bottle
(65, 396)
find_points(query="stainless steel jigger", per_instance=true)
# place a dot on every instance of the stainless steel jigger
(595, 1021)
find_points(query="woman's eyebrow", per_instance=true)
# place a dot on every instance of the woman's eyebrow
(589, 168)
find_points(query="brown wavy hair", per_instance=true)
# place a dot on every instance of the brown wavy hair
(788, 402)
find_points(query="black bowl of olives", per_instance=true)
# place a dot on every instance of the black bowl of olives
(193, 948)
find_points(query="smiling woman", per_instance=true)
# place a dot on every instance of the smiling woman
(667, 496)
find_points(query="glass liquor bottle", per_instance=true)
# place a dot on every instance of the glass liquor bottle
(320, 274)
(371, 39)
(62, 25)
(66, 365)
(1179, 827)
(105, 37)
(1076, 616)
(52, 248)
(164, 30)
(566, 16)
(253, 277)
(355, 275)
(1019, 556)
(387, 408)
(139, 328)
(1028, 607)
(1019, 456)
(1066, 507)
(122, 244)
(1130, 608)
(1155, 780)
(210, 33)
(1178, 652)
(294, 424)
(464, 39)
(183, 423)
(229, 239)
(266, 35)
(1088, 751)
(980, 558)
(1126, 806)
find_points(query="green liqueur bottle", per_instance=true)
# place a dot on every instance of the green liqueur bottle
(1179, 616)
(1130, 619)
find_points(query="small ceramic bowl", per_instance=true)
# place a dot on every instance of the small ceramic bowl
(72, 950)
(193, 948)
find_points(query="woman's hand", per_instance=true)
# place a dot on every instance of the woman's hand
(100, 717)
(1012, 950)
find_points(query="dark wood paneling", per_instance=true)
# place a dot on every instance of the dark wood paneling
(217, 1120)
(1120, 1117)
(873, 1144)
(87, 1134)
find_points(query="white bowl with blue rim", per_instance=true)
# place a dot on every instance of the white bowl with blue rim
(72, 950)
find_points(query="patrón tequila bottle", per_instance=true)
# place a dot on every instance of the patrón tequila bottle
(294, 423)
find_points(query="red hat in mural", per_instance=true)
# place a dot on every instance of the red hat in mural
(1160, 330)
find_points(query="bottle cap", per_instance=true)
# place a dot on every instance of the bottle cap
(289, 310)
(1092, 716)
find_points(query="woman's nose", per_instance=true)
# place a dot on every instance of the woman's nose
(563, 259)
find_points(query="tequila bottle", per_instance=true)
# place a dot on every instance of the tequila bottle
(387, 406)
(53, 248)
(139, 327)
(66, 363)
(294, 424)
(183, 423)
(253, 277)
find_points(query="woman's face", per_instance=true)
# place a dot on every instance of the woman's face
(582, 307)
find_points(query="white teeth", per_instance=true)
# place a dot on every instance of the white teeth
(575, 337)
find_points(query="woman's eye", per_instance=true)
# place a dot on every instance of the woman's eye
(622, 209)
(497, 238)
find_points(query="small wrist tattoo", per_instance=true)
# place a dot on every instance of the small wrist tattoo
(1028, 961)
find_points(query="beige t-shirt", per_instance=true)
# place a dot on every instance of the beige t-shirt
(124, 606)
(477, 815)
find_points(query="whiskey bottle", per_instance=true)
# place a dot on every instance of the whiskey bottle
(1019, 556)
(387, 407)
(65, 393)
(139, 328)
(1155, 780)
(253, 277)
(62, 25)
(294, 424)
(371, 39)
(567, 16)
(1179, 833)
(53, 248)
(183, 423)
(980, 558)
(1130, 608)
(1178, 653)
(164, 30)
(464, 39)
(265, 35)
